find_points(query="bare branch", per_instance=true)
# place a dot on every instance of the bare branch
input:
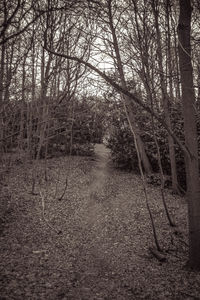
(120, 89)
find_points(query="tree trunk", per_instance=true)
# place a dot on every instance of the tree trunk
(177, 85)
(22, 119)
(198, 84)
(165, 99)
(2, 69)
(145, 161)
(188, 100)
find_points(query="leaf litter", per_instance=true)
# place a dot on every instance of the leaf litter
(94, 242)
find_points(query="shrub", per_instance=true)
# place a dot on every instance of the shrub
(72, 123)
(122, 146)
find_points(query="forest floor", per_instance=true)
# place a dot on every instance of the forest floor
(86, 233)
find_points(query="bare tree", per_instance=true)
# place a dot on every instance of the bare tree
(131, 117)
(188, 100)
(190, 149)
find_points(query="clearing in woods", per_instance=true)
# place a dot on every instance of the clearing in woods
(93, 243)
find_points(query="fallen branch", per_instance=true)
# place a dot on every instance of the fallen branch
(65, 189)
(158, 255)
(43, 215)
(190, 295)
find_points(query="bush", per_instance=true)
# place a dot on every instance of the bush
(122, 146)
(74, 122)
(77, 135)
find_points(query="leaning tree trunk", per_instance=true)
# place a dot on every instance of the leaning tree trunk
(165, 99)
(188, 99)
(128, 102)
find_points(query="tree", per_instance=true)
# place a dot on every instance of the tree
(34, 83)
(188, 101)
(165, 96)
(127, 102)
(190, 148)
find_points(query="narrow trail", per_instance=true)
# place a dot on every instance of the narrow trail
(94, 215)
(100, 172)
(108, 246)
(97, 245)
(103, 230)
(97, 188)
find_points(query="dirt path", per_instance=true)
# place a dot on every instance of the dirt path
(95, 257)
(97, 189)
(92, 245)
(100, 173)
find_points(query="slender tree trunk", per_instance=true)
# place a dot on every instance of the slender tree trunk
(21, 134)
(2, 68)
(43, 109)
(169, 62)
(145, 161)
(188, 99)
(143, 183)
(165, 98)
(198, 83)
(177, 83)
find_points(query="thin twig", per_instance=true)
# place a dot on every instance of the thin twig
(65, 189)
(43, 214)
(56, 189)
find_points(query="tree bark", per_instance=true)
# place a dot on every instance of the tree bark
(2, 69)
(188, 100)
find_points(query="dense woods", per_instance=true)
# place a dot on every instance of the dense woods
(76, 73)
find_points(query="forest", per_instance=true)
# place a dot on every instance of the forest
(100, 149)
